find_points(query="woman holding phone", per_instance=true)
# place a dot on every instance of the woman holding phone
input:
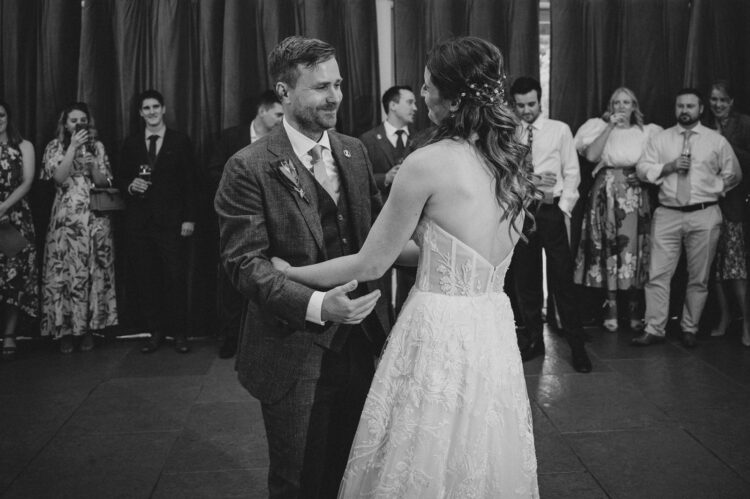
(78, 287)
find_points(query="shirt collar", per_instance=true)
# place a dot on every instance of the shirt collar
(697, 129)
(391, 130)
(537, 125)
(159, 132)
(302, 143)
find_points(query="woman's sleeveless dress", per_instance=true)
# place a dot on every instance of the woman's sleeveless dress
(447, 414)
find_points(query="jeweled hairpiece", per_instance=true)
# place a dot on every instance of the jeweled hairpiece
(489, 93)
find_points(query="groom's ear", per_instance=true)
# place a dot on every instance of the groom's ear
(282, 90)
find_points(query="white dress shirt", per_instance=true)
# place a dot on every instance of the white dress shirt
(553, 150)
(714, 168)
(302, 145)
(390, 133)
(159, 141)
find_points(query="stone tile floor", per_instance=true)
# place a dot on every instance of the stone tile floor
(656, 422)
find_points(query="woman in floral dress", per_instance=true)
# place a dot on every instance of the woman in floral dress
(614, 250)
(730, 263)
(78, 288)
(18, 274)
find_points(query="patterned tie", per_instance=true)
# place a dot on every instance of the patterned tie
(530, 143)
(321, 175)
(152, 149)
(400, 145)
(683, 178)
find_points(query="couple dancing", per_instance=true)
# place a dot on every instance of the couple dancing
(446, 413)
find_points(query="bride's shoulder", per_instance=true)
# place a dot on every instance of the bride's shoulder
(435, 154)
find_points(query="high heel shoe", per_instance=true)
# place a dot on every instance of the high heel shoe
(610, 323)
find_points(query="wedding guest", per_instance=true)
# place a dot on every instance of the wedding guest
(229, 302)
(18, 273)
(730, 264)
(78, 285)
(614, 250)
(157, 167)
(694, 167)
(553, 163)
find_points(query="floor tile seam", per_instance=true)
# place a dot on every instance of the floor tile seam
(620, 430)
(167, 473)
(164, 462)
(728, 465)
(77, 433)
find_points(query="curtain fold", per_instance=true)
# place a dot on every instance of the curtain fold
(599, 45)
(512, 25)
(717, 47)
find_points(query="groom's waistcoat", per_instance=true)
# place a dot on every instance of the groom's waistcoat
(338, 237)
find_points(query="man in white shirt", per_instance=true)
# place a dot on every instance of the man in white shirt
(556, 173)
(304, 193)
(693, 166)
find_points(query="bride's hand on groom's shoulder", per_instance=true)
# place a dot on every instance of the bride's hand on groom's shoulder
(280, 264)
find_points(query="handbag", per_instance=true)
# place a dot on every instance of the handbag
(106, 199)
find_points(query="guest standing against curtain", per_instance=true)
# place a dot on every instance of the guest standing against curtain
(18, 273)
(730, 264)
(78, 287)
(229, 302)
(614, 248)
(158, 174)
(694, 167)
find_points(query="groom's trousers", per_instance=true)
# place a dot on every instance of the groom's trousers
(310, 430)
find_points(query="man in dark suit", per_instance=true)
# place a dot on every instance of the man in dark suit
(229, 302)
(304, 193)
(387, 145)
(157, 171)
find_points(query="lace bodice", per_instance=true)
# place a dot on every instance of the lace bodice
(449, 266)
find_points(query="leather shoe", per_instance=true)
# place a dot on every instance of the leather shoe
(533, 349)
(646, 339)
(581, 360)
(689, 340)
(181, 345)
(153, 343)
(228, 348)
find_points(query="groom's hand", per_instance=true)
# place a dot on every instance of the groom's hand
(338, 307)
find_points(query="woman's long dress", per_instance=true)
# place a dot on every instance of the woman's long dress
(615, 238)
(78, 288)
(447, 414)
(19, 284)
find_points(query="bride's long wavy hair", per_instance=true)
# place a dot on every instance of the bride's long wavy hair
(469, 70)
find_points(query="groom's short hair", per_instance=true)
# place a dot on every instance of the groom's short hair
(284, 59)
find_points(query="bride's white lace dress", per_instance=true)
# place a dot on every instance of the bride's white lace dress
(447, 415)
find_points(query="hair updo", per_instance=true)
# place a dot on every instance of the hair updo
(469, 71)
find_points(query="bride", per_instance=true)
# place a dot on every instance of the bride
(447, 414)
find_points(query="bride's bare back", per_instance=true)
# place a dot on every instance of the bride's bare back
(463, 201)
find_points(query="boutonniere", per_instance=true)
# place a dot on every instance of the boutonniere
(288, 175)
(347, 153)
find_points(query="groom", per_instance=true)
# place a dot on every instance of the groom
(304, 193)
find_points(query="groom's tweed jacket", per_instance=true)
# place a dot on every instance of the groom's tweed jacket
(260, 216)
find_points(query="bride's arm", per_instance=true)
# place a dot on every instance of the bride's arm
(391, 231)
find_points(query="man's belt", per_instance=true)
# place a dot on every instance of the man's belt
(690, 207)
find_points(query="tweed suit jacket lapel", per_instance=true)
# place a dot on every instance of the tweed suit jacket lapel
(352, 172)
(280, 148)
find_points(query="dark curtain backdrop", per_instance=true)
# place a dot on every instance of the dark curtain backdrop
(513, 25)
(208, 58)
(599, 45)
(719, 47)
